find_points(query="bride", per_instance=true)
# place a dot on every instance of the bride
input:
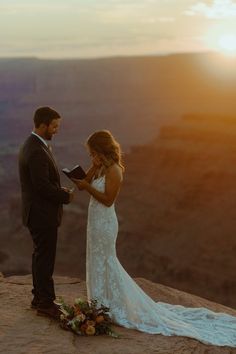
(110, 284)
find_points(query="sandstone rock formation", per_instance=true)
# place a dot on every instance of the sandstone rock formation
(23, 332)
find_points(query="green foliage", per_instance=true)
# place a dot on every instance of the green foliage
(86, 318)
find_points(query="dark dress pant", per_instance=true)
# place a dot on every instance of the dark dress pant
(43, 261)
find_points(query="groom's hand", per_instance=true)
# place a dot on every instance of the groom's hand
(67, 190)
(71, 193)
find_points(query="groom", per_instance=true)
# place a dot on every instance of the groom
(42, 199)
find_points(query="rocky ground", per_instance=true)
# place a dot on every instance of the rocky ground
(23, 332)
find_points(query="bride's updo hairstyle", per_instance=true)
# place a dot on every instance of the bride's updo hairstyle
(108, 149)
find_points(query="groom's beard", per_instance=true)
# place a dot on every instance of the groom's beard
(48, 136)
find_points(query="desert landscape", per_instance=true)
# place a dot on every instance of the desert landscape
(177, 126)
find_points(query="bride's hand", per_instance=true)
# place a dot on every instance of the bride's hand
(80, 183)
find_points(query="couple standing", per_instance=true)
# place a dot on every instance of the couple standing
(106, 279)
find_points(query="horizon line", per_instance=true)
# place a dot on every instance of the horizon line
(110, 56)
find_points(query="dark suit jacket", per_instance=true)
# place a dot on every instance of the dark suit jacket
(42, 196)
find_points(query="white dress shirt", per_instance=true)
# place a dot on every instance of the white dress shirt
(44, 141)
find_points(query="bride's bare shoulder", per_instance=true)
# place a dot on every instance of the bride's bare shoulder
(115, 171)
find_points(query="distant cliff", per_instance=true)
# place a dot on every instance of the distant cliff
(131, 96)
(180, 197)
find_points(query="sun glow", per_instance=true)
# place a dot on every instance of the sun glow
(227, 44)
(221, 40)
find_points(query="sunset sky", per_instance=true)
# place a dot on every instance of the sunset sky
(99, 28)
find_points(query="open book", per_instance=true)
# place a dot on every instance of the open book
(76, 172)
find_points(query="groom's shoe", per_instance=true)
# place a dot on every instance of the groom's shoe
(34, 303)
(51, 310)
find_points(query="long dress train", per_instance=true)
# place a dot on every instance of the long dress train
(110, 284)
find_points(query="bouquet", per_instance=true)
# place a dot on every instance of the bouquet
(86, 318)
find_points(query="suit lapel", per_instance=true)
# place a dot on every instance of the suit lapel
(48, 152)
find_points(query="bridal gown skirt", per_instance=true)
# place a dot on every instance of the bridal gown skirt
(109, 283)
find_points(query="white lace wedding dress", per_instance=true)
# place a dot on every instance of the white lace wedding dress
(109, 283)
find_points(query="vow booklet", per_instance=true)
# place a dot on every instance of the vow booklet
(76, 172)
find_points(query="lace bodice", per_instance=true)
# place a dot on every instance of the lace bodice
(110, 284)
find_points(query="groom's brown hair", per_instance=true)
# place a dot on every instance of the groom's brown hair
(45, 115)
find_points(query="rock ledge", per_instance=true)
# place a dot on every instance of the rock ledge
(23, 332)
